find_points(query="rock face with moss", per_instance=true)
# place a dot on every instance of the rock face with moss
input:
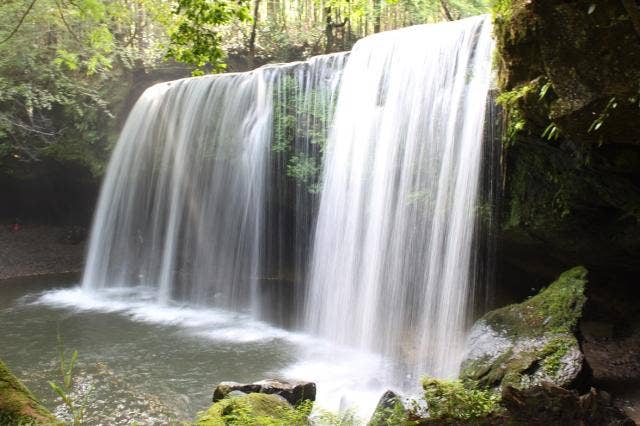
(526, 344)
(17, 405)
(254, 409)
(569, 76)
(295, 392)
(586, 52)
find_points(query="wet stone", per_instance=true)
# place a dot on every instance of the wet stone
(293, 391)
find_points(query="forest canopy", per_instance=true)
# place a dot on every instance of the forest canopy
(71, 69)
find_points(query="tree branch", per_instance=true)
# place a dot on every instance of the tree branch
(64, 21)
(447, 12)
(20, 22)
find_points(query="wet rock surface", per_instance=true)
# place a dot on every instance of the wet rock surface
(536, 341)
(549, 404)
(293, 392)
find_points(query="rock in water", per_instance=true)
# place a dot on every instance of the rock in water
(526, 344)
(293, 391)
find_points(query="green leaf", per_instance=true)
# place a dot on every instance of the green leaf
(544, 90)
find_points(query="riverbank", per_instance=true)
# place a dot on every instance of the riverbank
(31, 250)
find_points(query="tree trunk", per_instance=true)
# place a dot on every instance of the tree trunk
(328, 29)
(254, 27)
(377, 10)
(447, 12)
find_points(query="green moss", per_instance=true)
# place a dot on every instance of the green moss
(452, 400)
(582, 54)
(533, 339)
(255, 409)
(554, 351)
(556, 309)
(514, 119)
(17, 405)
(502, 9)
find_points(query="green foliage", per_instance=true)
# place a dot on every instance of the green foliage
(515, 122)
(344, 418)
(551, 132)
(62, 68)
(392, 416)
(301, 118)
(556, 309)
(67, 66)
(296, 29)
(255, 409)
(544, 90)
(502, 10)
(453, 400)
(595, 126)
(303, 168)
(196, 40)
(76, 408)
(554, 351)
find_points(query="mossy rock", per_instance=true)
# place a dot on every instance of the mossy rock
(589, 53)
(571, 67)
(526, 344)
(455, 402)
(18, 406)
(254, 409)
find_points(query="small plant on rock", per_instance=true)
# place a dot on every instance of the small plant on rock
(452, 400)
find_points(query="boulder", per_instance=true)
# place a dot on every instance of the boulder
(294, 392)
(18, 406)
(255, 409)
(536, 341)
(389, 409)
(443, 402)
(549, 404)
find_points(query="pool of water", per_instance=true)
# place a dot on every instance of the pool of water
(158, 364)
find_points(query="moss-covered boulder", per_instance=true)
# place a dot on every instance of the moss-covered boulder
(254, 409)
(18, 406)
(294, 391)
(526, 344)
(390, 410)
(444, 402)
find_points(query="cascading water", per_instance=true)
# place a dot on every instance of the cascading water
(193, 203)
(213, 193)
(392, 257)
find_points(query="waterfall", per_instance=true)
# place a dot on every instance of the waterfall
(338, 195)
(392, 260)
(194, 203)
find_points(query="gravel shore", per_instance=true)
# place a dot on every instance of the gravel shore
(28, 250)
